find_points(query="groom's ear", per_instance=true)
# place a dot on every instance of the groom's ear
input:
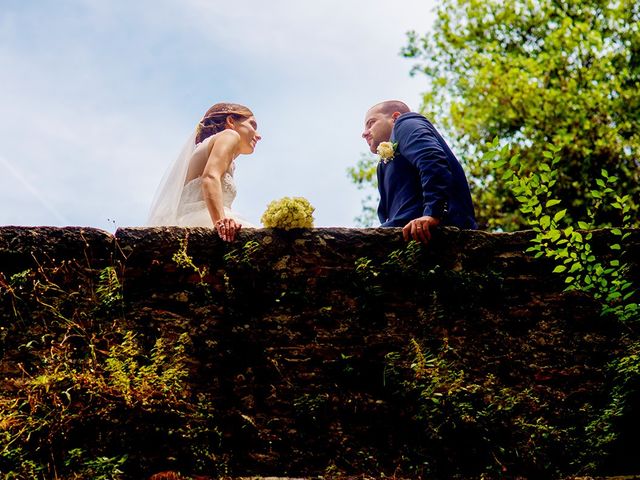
(395, 115)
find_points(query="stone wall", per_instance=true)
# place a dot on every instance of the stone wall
(318, 352)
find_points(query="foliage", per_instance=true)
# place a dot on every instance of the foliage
(67, 394)
(404, 259)
(245, 256)
(398, 266)
(100, 468)
(422, 277)
(109, 290)
(555, 238)
(508, 429)
(533, 73)
(604, 430)
(363, 174)
(84, 381)
(182, 258)
(605, 279)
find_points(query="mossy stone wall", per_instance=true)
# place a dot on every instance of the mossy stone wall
(307, 352)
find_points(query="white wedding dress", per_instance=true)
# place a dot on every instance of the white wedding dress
(182, 204)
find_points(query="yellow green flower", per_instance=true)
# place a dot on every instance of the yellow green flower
(287, 213)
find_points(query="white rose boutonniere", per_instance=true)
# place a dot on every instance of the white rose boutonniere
(387, 151)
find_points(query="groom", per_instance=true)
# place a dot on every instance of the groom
(421, 183)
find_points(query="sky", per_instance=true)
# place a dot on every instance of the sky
(98, 97)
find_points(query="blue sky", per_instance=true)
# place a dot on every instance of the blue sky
(99, 96)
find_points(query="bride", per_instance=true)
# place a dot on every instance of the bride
(199, 189)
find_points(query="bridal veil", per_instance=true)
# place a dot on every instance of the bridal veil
(164, 208)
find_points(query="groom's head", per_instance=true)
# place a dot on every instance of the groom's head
(379, 120)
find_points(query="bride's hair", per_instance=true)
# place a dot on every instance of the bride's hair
(215, 118)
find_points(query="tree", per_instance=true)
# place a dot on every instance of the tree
(363, 174)
(533, 73)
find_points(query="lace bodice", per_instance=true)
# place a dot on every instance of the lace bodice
(181, 204)
(192, 198)
(192, 191)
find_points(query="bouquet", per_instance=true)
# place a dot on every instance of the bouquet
(288, 213)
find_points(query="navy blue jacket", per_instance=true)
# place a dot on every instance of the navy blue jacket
(424, 178)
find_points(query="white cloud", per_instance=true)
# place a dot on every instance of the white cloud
(98, 104)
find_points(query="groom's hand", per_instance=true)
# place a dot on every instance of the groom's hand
(419, 229)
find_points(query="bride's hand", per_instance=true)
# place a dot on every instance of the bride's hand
(227, 228)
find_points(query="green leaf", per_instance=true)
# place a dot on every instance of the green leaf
(560, 215)
(507, 174)
(498, 164)
(545, 221)
(575, 267)
(538, 210)
(554, 235)
(613, 296)
(551, 203)
(559, 269)
(554, 148)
